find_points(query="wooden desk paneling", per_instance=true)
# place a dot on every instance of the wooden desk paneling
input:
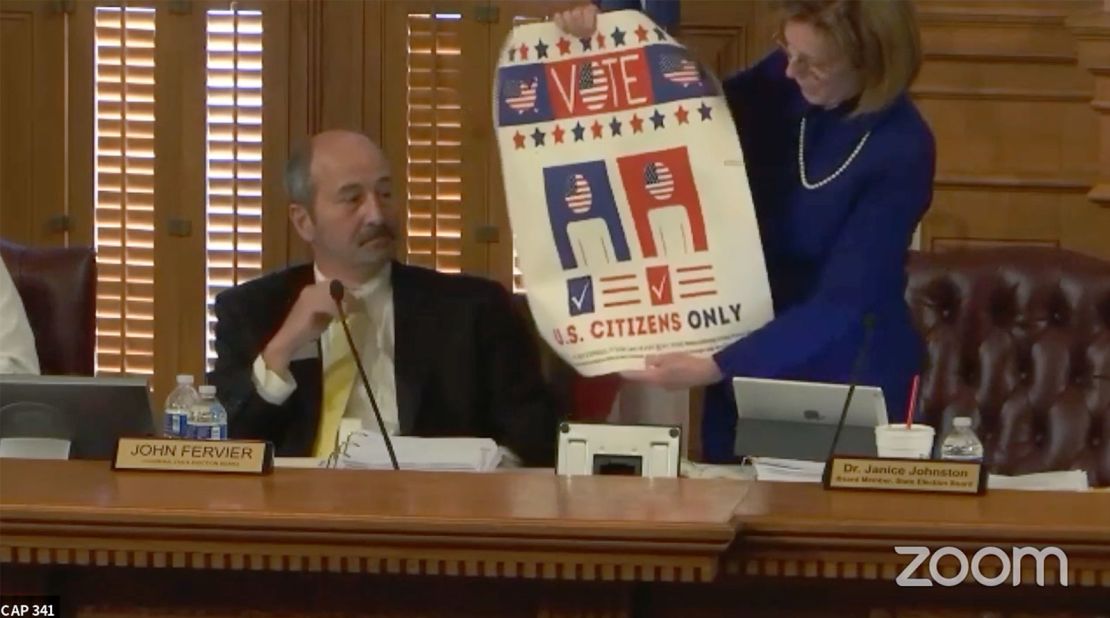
(411, 523)
(312, 542)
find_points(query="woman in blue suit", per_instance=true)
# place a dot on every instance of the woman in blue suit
(840, 164)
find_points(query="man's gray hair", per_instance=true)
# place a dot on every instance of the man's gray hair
(298, 176)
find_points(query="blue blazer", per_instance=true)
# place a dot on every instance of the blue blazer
(834, 254)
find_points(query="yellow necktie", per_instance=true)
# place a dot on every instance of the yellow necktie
(339, 378)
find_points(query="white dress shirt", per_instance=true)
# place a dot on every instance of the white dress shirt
(17, 342)
(376, 351)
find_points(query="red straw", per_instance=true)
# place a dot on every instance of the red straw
(913, 401)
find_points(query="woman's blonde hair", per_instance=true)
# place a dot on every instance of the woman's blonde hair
(880, 38)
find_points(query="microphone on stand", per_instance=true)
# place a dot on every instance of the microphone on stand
(857, 368)
(336, 289)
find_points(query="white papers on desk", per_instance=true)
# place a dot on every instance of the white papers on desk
(1064, 480)
(788, 470)
(366, 450)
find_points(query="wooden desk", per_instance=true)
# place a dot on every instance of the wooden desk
(314, 542)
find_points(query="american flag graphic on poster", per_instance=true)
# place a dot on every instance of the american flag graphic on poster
(679, 69)
(659, 181)
(593, 85)
(632, 220)
(578, 195)
(521, 95)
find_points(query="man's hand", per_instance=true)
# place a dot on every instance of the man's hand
(579, 22)
(306, 321)
(676, 371)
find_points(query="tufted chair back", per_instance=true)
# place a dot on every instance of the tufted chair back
(58, 289)
(1017, 339)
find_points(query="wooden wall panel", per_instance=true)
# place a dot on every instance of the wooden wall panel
(1085, 226)
(17, 79)
(179, 194)
(334, 77)
(279, 102)
(1017, 145)
(1091, 31)
(304, 94)
(341, 48)
(728, 36)
(977, 216)
(80, 157)
(372, 55)
(717, 33)
(32, 122)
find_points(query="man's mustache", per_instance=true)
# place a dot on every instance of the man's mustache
(373, 233)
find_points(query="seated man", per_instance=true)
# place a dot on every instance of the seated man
(445, 354)
(17, 342)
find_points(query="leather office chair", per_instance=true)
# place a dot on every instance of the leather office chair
(58, 289)
(1017, 338)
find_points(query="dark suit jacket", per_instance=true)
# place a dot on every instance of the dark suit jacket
(464, 364)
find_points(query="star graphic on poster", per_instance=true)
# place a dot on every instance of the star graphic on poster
(518, 141)
(705, 112)
(564, 46)
(579, 131)
(558, 133)
(637, 124)
(512, 54)
(537, 137)
(523, 49)
(618, 36)
(657, 120)
(641, 33)
(587, 43)
(600, 41)
(682, 115)
(541, 50)
(615, 126)
(659, 33)
(596, 129)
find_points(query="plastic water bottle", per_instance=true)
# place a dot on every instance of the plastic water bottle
(219, 418)
(208, 420)
(961, 444)
(178, 404)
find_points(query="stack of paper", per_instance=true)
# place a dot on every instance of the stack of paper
(696, 470)
(788, 470)
(1065, 480)
(366, 450)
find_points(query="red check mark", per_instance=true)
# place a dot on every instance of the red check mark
(657, 291)
(659, 280)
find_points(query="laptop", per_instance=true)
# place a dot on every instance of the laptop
(797, 420)
(94, 411)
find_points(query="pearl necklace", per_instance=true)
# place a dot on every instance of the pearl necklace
(802, 159)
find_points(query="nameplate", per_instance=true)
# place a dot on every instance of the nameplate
(240, 456)
(911, 475)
